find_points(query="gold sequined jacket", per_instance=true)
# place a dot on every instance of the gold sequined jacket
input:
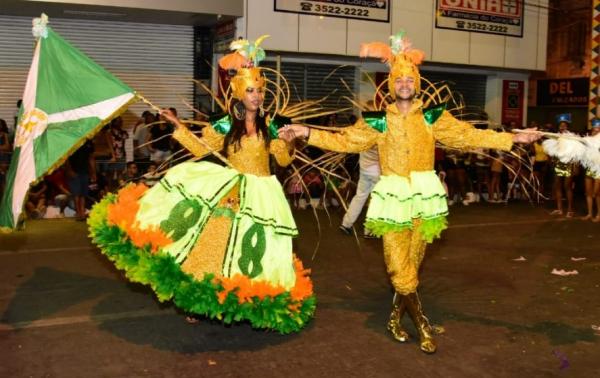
(408, 143)
(251, 157)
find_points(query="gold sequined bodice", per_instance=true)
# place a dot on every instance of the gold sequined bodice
(250, 157)
(408, 144)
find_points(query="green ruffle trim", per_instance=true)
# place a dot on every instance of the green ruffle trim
(429, 229)
(168, 281)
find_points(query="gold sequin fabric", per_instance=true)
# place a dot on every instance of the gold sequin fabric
(208, 253)
(563, 169)
(251, 156)
(408, 144)
(403, 253)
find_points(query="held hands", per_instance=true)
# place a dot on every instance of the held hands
(290, 132)
(527, 136)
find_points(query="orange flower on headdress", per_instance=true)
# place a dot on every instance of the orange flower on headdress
(245, 59)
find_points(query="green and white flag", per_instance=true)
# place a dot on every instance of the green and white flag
(67, 98)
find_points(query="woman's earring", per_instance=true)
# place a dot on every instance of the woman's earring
(261, 112)
(239, 111)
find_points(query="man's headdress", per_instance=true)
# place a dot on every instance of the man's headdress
(402, 59)
(244, 60)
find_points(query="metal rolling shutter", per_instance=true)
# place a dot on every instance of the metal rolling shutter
(310, 81)
(471, 87)
(155, 60)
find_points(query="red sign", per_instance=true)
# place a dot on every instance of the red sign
(513, 93)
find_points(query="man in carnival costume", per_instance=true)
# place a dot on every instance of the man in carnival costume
(408, 205)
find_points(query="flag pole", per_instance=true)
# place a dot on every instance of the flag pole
(202, 141)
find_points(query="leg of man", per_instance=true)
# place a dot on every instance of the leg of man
(363, 189)
(403, 253)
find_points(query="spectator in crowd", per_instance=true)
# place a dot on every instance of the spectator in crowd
(5, 146)
(160, 139)
(457, 179)
(16, 120)
(369, 176)
(481, 165)
(592, 184)
(563, 174)
(36, 201)
(5, 151)
(294, 188)
(540, 165)
(151, 177)
(131, 174)
(59, 194)
(97, 190)
(314, 184)
(516, 175)
(115, 137)
(496, 169)
(81, 170)
(140, 135)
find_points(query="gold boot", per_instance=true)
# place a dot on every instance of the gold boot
(394, 325)
(413, 305)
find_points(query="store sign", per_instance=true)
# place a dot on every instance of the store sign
(563, 92)
(369, 10)
(513, 93)
(503, 17)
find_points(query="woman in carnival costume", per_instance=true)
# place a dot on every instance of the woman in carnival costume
(408, 205)
(563, 174)
(592, 183)
(218, 240)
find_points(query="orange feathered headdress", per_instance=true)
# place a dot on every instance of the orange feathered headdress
(399, 55)
(244, 60)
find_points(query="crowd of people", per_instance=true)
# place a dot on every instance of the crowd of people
(105, 164)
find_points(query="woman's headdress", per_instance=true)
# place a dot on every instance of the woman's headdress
(244, 60)
(402, 59)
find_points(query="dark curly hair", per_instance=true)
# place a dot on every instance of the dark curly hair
(238, 130)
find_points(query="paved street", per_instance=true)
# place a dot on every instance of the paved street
(67, 312)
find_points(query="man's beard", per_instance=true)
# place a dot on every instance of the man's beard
(409, 98)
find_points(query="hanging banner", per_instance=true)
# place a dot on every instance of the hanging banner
(513, 92)
(369, 10)
(503, 17)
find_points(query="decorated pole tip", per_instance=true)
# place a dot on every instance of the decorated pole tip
(40, 28)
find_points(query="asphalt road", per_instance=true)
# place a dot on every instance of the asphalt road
(67, 312)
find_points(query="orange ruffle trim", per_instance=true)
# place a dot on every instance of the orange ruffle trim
(122, 214)
(246, 289)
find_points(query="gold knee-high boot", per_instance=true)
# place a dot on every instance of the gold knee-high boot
(415, 310)
(394, 325)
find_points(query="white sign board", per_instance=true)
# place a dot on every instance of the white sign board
(503, 17)
(369, 10)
